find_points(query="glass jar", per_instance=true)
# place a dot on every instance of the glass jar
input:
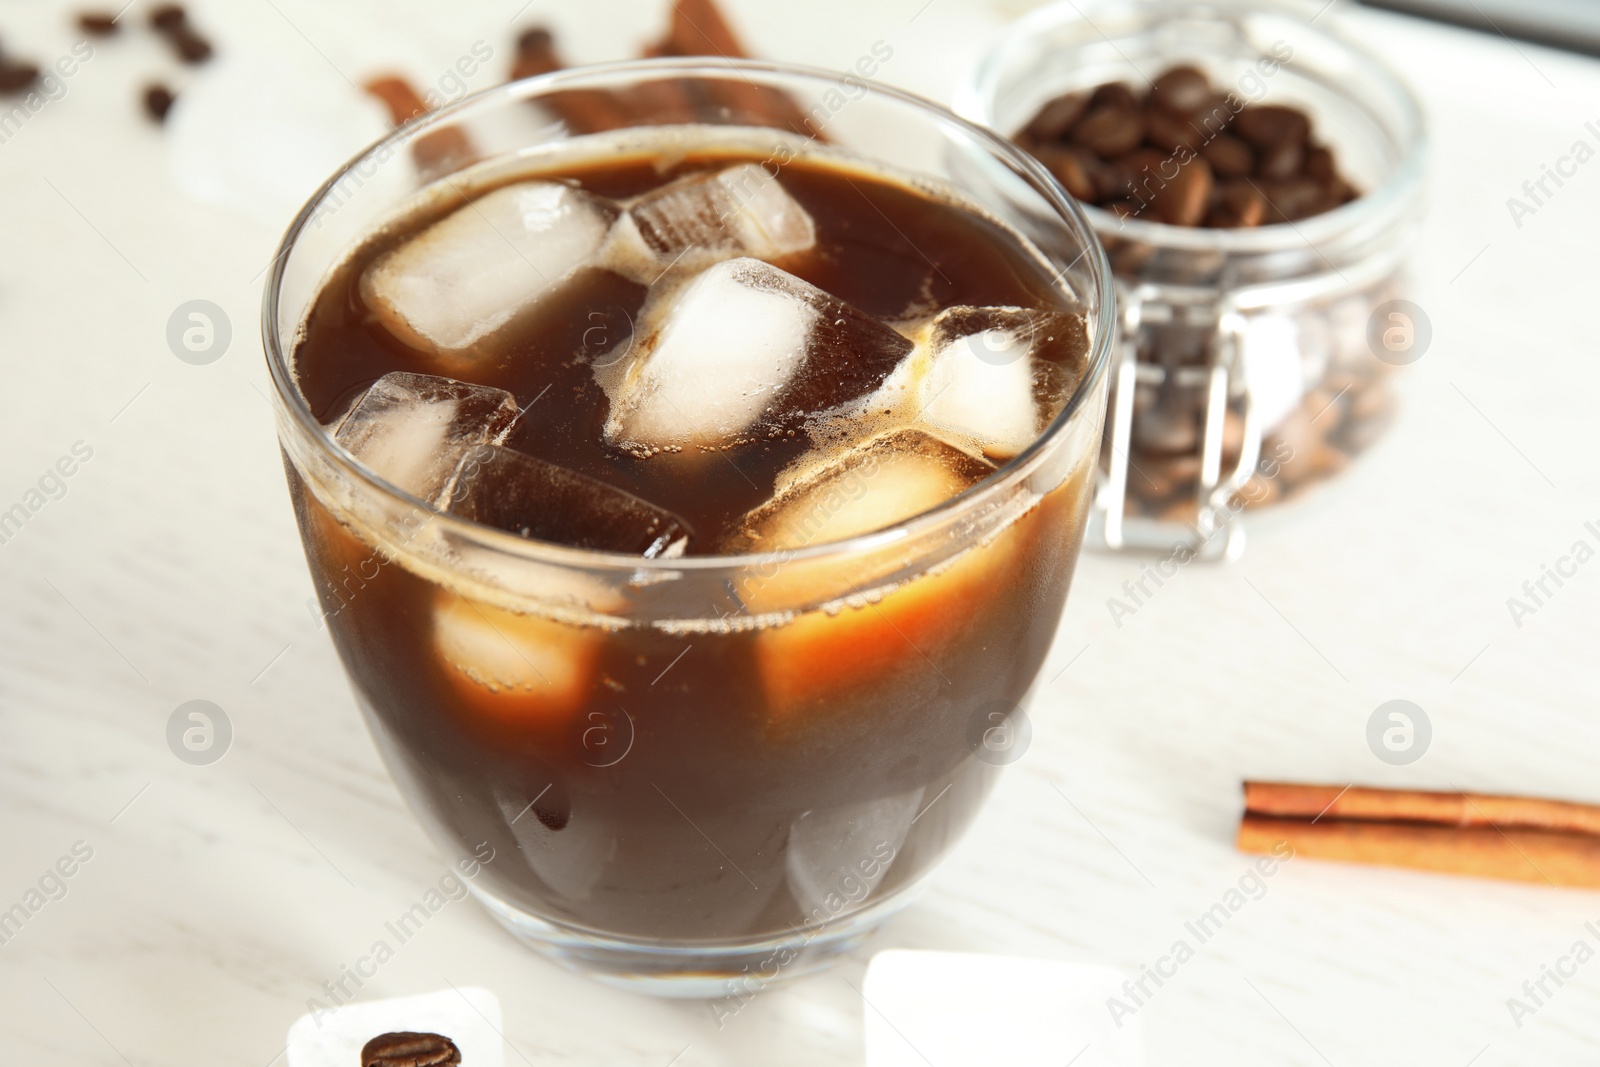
(1254, 361)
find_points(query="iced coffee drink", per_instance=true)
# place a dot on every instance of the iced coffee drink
(727, 499)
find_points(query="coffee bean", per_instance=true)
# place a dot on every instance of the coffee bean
(410, 1050)
(1259, 492)
(1186, 198)
(1159, 478)
(1239, 205)
(1281, 160)
(536, 39)
(1298, 444)
(1126, 155)
(190, 46)
(1182, 510)
(1140, 174)
(1113, 94)
(1216, 116)
(1171, 132)
(1110, 130)
(168, 17)
(158, 100)
(97, 23)
(1319, 164)
(1108, 179)
(1232, 437)
(1338, 191)
(16, 77)
(1268, 124)
(1293, 199)
(1171, 427)
(1329, 461)
(1073, 167)
(1229, 157)
(1056, 118)
(1327, 408)
(1360, 434)
(1182, 90)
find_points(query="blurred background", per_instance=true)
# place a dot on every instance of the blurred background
(165, 568)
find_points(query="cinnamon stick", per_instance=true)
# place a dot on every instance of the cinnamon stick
(1443, 809)
(698, 28)
(667, 100)
(583, 110)
(442, 151)
(1524, 855)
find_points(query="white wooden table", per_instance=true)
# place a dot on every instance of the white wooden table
(219, 898)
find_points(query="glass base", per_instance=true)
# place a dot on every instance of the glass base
(697, 971)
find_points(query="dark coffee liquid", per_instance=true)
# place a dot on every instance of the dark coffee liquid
(724, 785)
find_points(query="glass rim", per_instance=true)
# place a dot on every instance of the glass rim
(975, 100)
(292, 403)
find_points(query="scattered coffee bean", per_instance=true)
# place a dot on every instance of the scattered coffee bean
(172, 21)
(158, 100)
(168, 17)
(190, 46)
(98, 23)
(1174, 155)
(17, 77)
(410, 1050)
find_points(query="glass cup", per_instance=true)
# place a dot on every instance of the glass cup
(1255, 364)
(776, 748)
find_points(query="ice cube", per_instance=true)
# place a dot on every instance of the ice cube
(976, 376)
(980, 382)
(874, 485)
(529, 497)
(513, 671)
(728, 356)
(568, 846)
(740, 211)
(411, 430)
(845, 851)
(454, 284)
(808, 663)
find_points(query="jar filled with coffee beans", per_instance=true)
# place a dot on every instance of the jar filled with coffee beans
(1256, 180)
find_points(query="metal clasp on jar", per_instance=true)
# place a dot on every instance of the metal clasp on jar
(1204, 377)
